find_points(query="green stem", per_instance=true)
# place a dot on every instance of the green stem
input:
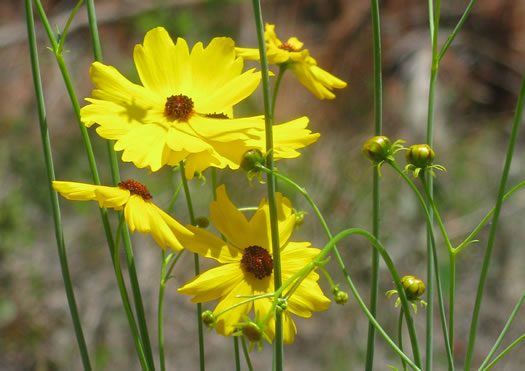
(448, 349)
(471, 236)
(434, 15)
(378, 106)
(503, 332)
(452, 36)
(397, 281)
(96, 180)
(494, 226)
(235, 338)
(400, 336)
(48, 159)
(196, 265)
(507, 349)
(270, 181)
(137, 297)
(160, 309)
(332, 246)
(125, 298)
(246, 354)
(282, 70)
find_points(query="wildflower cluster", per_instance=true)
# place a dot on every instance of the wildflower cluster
(182, 115)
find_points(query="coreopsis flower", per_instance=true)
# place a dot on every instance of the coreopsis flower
(139, 212)
(291, 54)
(246, 266)
(184, 108)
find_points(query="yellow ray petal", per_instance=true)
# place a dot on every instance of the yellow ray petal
(162, 66)
(212, 284)
(228, 220)
(209, 245)
(225, 324)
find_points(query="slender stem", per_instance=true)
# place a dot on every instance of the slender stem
(452, 295)
(125, 298)
(507, 349)
(435, 212)
(235, 338)
(378, 115)
(96, 180)
(270, 181)
(115, 175)
(48, 159)
(137, 298)
(66, 27)
(452, 36)
(246, 354)
(434, 14)
(97, 54)
(282, 70)
(160, 309)
(448, 349)
(404, 302)
(494, 226)
(336, 253)
(503, 332)
(93, 30)
(196, 265)
(471, 236)
(236, 352)
(400, 336)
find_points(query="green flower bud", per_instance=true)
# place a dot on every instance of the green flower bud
(252, 331)
(414, 287)
(299, 218)
(250, 159)
(202, 222)
(282, 305)
(208, 318)
(340, 297)
(377, 148)
(420, 155)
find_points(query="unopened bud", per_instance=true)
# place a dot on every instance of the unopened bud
(208, 318)
(377, 148)
(202, 222)
(252, 331)
(420, 155)
(251, 159)
(414, 287)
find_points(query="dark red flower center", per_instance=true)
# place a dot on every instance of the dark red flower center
(136, 188)
(216, 115)
(178, 107)
(287, 46)
(258, 261)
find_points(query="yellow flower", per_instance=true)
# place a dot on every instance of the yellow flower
(305, 67)
(140, 213)
(246, 266)
(183, 110)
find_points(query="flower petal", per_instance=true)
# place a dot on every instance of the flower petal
(230, 93)
(225, 324)
(112, 86)
(228, 220)
(162, 66)
(145, 146)
(112, 197)
(165, 230)
(209, 245)
(212, 284)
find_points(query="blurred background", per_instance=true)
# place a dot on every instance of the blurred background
(477, 90)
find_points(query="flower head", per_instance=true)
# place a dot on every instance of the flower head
(140, 213)
(246, 268)
(184, 108)
(305, 67)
